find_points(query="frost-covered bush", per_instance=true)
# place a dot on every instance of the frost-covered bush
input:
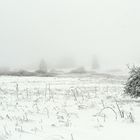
(79, 70)
(132, 86)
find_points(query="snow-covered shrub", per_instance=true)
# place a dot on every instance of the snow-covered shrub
(79, 70)
(132, 86)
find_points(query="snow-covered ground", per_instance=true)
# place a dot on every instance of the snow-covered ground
(62, 108)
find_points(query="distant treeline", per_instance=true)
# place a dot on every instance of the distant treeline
(42, 71)
(27, 73)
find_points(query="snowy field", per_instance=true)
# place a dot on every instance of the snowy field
(86, 108)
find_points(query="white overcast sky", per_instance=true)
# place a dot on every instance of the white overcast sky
(56, 29)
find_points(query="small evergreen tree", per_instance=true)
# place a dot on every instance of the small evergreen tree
(132, 86)
(42, 67)
(95, 63)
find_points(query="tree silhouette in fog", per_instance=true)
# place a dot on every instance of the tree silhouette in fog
(95, 63)
(43, 67)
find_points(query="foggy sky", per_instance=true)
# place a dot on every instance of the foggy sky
(77, 29)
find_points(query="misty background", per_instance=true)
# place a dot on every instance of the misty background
(69, 33)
